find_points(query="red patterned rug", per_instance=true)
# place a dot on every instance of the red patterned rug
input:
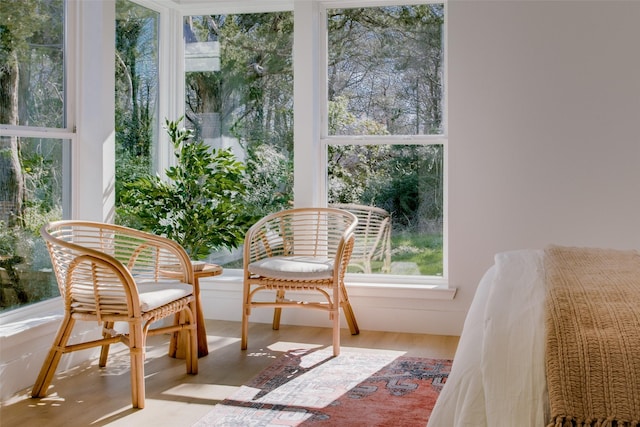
(357, 388)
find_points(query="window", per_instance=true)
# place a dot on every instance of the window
(34, 166)
(136, 96)
(385, 126)
(32, 53)
(384, 138)
(239, 96)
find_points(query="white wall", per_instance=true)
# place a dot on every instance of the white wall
(544, 120)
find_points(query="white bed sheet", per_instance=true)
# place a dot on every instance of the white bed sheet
(497, 377)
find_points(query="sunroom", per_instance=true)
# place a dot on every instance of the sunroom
(96, 84)
(513, 125)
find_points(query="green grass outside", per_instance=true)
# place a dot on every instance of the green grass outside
(425, 250)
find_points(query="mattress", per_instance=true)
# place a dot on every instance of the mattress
(498, 373)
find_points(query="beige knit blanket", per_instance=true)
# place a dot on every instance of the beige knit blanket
(593, 336)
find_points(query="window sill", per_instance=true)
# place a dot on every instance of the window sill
(30, 316)
(15, 322)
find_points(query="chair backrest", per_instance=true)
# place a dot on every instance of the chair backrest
(96, 264)
(373, 233)
(314, 232)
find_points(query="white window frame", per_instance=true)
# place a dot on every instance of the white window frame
(325, 139)
(68, 131)
(50, 306)
(310, 103)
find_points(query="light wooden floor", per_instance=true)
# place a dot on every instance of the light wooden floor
(90, 396)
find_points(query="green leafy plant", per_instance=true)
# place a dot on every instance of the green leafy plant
(199, 205)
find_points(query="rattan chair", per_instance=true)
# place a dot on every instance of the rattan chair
(303, 250)
(108, 274)
(373, 237)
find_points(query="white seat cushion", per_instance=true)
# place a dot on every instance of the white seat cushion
(156, 294)
(291, 268)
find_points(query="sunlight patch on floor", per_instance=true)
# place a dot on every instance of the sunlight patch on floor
(202, 391)
(157, 412)
(305, 380)
(285, 346)
(216, 341)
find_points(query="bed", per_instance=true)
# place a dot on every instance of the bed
(499, 373)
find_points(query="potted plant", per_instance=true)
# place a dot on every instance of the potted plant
(199, 205)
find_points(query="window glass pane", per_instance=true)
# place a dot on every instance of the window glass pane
(406, 182)
(31, 194)
(136, 96)
(239, 96)
(385, 71)
(31, 53)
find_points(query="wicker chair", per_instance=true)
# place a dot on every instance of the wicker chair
(107, 274)
(305, 250)
(373, 237)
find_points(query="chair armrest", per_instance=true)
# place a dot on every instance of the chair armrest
(345, 254)
(99, 274)
(157, 257)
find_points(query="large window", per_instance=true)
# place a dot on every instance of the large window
(34, 167)
(385, 127)
(384, 119)
(382, 125)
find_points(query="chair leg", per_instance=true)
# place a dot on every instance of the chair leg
(53, 358)
(192, 349)
(348, 313)
(351, 318)
(335, 318)
(277, 312)
(136, 353)
(175, 338)
(245, 328)
(104, 352)
(246, 311)
(334, 315)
